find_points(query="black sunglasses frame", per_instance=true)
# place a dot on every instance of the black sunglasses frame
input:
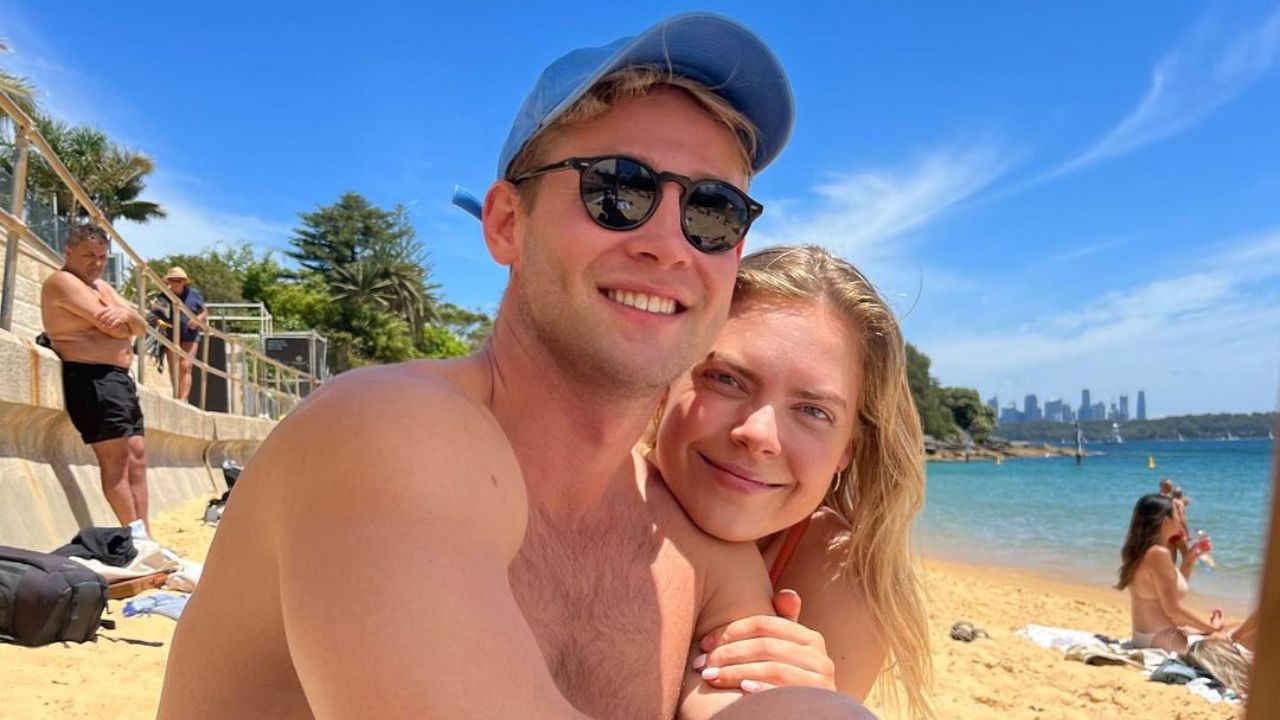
(686, 183)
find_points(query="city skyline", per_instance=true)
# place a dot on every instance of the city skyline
(1059, 409)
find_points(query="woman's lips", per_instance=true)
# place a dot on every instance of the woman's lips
(735, 478)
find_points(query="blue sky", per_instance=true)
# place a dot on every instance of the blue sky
(1055, 196)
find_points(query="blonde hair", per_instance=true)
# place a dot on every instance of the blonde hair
(882, 490)
(630, 83)
(1223, 661)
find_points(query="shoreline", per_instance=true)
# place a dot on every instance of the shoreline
(1070, 582)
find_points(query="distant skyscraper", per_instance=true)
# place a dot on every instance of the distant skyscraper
(1142, 404)
(1098, 411)
(1068, 415)
(1053, 410)
(1031, 408)
(1086, 408)
(1124, 408)
(1010, 415)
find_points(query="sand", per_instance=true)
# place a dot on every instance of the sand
(1005, 677)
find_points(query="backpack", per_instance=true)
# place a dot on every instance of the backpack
(47, 598)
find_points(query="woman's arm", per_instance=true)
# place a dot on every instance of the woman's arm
(1160, 560)
(836, 612)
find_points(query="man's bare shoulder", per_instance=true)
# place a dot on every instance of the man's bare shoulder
(409, 440)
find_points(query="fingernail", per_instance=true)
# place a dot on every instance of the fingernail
(750, 686)
(700, 661)
(711, 673)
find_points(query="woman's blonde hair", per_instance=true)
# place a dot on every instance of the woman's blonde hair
(631, 83)
(882, 490)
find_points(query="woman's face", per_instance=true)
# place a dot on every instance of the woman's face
(753, 435)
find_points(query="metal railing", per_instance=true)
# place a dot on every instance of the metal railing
(257, 385)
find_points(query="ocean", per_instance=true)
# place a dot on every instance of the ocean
(1049, 516)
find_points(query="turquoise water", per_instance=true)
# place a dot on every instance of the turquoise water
(1051, 516)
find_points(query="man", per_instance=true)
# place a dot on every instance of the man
(475, 538)
(92, 329)
(192, 316)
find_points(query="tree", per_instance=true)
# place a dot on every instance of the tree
(934, 417)
(968, 411)
(112, 176)
(470, 327)
(17, 88)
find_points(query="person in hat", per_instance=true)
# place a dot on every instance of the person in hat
(92, 329)
(476, 537)
(192, 317)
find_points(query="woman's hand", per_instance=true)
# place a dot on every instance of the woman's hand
(762, 652)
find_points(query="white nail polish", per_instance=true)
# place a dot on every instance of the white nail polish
(700, 661)
(711, 673)
(750, 686)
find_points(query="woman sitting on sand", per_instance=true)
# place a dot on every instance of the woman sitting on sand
(1156, 584)
(798, 432)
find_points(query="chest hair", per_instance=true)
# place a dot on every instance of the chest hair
(613, 610)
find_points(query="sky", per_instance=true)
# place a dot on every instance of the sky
(1053, 196)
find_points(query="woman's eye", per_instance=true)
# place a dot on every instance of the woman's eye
(817, 412)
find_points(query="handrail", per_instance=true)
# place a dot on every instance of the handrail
(266, 369)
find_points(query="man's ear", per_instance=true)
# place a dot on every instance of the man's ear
(501, 218)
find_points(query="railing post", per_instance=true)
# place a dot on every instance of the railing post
(15, 209)
(142, 303)
(204, 372)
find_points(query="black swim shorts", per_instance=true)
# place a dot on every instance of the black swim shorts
(101, 400)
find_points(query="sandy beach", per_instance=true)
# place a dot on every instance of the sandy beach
(1005, 676)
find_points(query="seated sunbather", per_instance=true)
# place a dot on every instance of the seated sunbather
(1156, 585)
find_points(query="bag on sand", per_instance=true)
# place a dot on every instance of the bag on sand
(47, 598)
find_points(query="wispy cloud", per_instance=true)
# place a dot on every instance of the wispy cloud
(857, 214)
(1186, 85)
(1219, 321)
(192, 226)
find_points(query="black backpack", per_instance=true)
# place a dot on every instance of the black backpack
(47, 598)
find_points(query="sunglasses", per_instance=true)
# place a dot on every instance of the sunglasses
(621, 193)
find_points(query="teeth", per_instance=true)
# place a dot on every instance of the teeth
(647, 303)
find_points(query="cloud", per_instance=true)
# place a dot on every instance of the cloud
(855, 214)
(1186, 85)
(192, 226)
(1218, 322)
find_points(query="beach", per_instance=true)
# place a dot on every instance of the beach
(1006, 676)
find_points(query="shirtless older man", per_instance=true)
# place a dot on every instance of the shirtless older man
(475, 538)
(92, 330)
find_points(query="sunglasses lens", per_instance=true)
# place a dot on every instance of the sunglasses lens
(618, 193)
(716, 216)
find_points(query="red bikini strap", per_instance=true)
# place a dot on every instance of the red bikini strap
(789, 544)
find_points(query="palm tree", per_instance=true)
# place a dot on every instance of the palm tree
(19, 89)
(112, 176)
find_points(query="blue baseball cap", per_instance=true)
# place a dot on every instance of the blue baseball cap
(711, 49)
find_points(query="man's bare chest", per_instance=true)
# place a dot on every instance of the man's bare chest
(613, 614)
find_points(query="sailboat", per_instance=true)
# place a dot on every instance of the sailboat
(1180, 438)
(1151, 462)
(1115, 434)
(1230, 437)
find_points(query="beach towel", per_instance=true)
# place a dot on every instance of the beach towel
(150, 560)
(169, 605)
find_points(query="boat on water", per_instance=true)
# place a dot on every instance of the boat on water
(1115, 434)
(1230, 438)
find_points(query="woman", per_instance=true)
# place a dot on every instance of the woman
(798, 432)
(1156, 584)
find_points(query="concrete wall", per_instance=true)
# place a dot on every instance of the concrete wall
(49, 482)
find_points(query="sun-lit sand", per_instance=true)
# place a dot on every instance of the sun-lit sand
(1004, 677)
